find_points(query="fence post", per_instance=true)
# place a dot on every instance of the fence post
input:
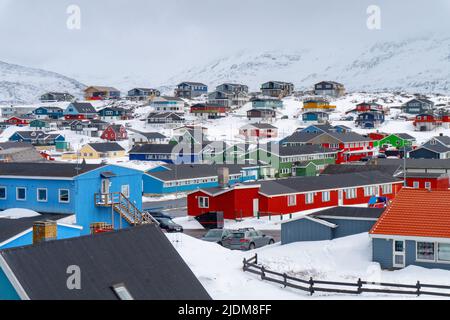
(244, 265)
(256, 258)
(359, 286)
(418, 286)
(263, 274)
(311, 286)
(270, 216)
(285, 279)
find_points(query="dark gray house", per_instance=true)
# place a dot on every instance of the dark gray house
(140, 94)
(418, 106)
(329, 88)
(138, 263)
(277, 89)
(330, 224)
(436, 148)
(190, 90)
(56, 97)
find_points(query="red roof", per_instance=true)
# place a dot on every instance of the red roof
(417, 213)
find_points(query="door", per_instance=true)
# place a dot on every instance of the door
(399, 254)
(255, 207)
(341, 197)
(105, 186)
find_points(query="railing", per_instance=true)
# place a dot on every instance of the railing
(312, 286)
(123, 206)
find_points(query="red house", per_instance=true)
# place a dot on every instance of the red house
(115, 132)
(293, 195)
(209, 111)
(377, 136)
(259, 130)
(366, 107)
(16, 121)
(430, 181)
(427, 122)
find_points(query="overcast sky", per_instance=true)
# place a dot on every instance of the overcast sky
(159, 38)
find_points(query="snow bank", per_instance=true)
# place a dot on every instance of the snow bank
(17, 213)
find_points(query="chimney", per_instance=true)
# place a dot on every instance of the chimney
(224, 177)
(44, 231)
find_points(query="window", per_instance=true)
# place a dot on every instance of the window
(203, 202)
(125, 190)
(21, 194)
(428, 185)
(2, 193)
(292, 200)
(64, 196)
(425, 251)
(122, 292)
(309, 198)
(325, 196)
(370, 191)
(350, 193)
(41, 195)
(444, 252)
(387, 189)
(416, 184)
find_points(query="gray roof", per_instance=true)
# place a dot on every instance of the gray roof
(45, 169)
(301, 150)
(307, 184)
(150, 135)
(37, 135)
(153, 148)
(404, 136)
(300, 137)
(106, 146)
(348, 136)
(263, 126)
(11, 145)
(350, 168)
(83, 107)
(12, 227)
(141, 258)
(350, 212)
(418, 163)
(191, 171)
(171, 115)
(438, 147)
(443, 139)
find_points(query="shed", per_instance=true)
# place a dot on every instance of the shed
(330, 224)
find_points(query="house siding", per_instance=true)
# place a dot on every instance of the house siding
(304, 230)
(7, 291)
(382, 252)
(423, 153)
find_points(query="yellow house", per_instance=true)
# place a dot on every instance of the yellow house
(318, 105)
(102, 150)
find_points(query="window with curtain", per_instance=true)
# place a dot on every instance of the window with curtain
(425, 251)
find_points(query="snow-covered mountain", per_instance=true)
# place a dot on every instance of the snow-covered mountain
(419, 64)
(20, 84)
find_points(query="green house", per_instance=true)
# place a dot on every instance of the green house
(288, 161)
(39, 124)
(62, 146)
(398, 140)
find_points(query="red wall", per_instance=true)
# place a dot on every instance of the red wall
(436, 183)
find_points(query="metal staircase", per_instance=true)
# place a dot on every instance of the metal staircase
(124, 207)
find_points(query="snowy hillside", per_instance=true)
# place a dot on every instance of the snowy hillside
(20, 84)
(414, 65)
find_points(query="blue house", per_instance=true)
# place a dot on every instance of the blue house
(48, 113)
(168, 153)
(37, 138)
(78, 110)
(325, 127)
(94, 193)
(330, 224)
(273, 104)
(190, 90)
(315, 116)
(414, 230)
(369, 120)
(19, 232)
(188, 177)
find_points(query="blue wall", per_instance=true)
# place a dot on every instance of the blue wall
(304, 230)
(63, 232)
(423, 153)
(350, 227)
(181, 159)
(7, 291)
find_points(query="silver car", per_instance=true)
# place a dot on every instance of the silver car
(247, 239)
(216, 235)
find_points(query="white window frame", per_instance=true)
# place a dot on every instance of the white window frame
(309, 198)
(416, 184)
(428, 185)
(326, 198)
(387, 189)
(6, 193)
(434, 251)
(59, 195)
(351, 193)
(203, 202)
(292, 200)
(17, 194)
(46, 194)
(125, 187)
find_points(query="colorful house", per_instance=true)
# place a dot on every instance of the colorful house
(258, 130)
(37, 138)
(141, 94)
(209, 111)
(113, 114)
(329, 88)
(259, 103)
(167, 153)
(367, 107)
(369, 120)
(277, 89)
(420, 236)
(166, 104)
(292, 195)
(435, 148)
(427, 122)
(165, 119)
(418, 106)
(188, 177)
(101, 93)
(398, 140)
(315, 116)
(190, 90)
(19, 121)
(65, 188)
(108, 150)
(80, 111)
(329, 224)
(56, 97)
(48, 113)
(261, 115)
(115, 132)
(317, 104)
(288, 161)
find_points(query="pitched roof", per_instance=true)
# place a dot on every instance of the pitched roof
(191, 171)
(13, 145)
(300, 150)
(102, 88)
(45, 169)
(151, 148)
(417, 163)
(150, 268)
(12, 227)
(348, 136)
(192, 83)
(163, 115)
(300, 137)
(106, 146)
(350, 212)
(83, 107)
(259, 126)
(416, 213)
(149, 135)
(307, 184)
(404, 136)
(349, 168)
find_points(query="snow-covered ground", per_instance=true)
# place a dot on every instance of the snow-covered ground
(345, 259)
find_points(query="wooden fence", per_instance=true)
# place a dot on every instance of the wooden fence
(312, 286)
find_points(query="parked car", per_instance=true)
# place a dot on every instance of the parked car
(381, 156)
(157, 214)
(247, 239)
(168, 224)
(216, 235)
(347, 118)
